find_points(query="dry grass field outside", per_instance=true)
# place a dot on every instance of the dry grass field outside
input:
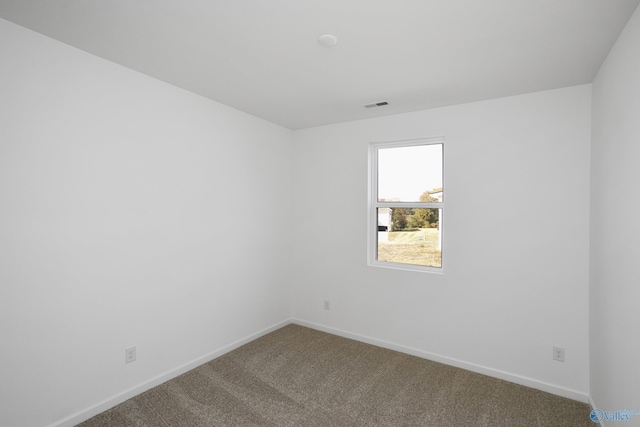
(417, 246)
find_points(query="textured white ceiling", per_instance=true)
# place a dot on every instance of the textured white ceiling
(262, 57)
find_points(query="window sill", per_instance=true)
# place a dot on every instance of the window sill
(407, 267)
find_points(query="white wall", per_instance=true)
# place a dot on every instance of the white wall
(516, 239)
(615, 227)
(131, 213)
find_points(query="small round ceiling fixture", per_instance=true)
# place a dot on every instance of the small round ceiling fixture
(327, 40)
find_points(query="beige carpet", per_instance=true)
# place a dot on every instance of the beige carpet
(297, 376)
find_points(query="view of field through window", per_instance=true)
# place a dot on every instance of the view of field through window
(410, 187)
(411, 245)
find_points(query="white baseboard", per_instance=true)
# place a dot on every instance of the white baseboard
(518, 379)
(592, 403)
(94, 410)
(594, 406)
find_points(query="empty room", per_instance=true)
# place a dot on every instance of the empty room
(319, 213)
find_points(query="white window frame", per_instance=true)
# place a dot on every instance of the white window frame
(374, 204)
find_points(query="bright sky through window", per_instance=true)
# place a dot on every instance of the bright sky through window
(407, 172)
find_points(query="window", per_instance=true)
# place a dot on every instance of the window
(406, 204)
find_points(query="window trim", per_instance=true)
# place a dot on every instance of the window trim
(373, 205)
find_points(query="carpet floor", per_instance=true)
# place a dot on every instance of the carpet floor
(297, 376)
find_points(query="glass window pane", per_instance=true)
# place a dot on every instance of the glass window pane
(410, 174)
(410, 236)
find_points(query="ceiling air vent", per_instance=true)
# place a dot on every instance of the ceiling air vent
(377, 104)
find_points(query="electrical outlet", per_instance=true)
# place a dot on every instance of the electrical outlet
(558, 354)
(327, 305)
(130, 355)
